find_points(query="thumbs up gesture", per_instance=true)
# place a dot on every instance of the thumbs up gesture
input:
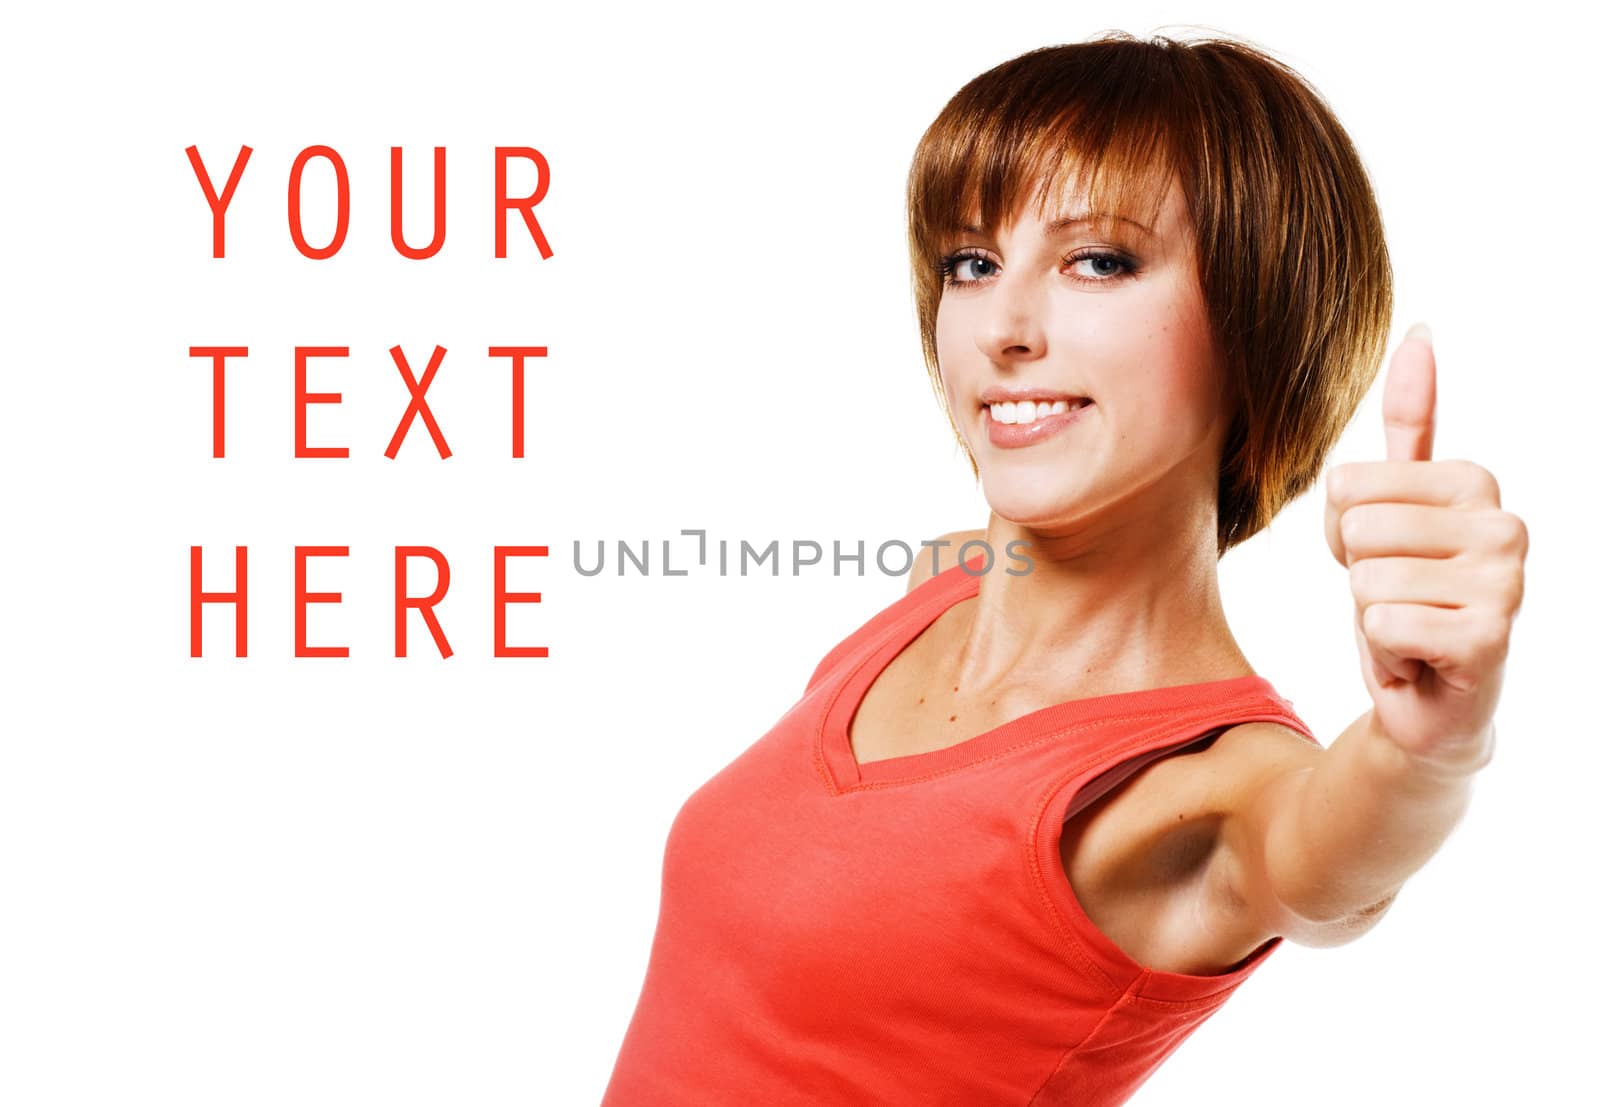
(1436, 569)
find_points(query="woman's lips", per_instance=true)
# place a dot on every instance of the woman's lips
(1014, 435)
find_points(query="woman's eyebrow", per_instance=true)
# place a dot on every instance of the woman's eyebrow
(1056, 226)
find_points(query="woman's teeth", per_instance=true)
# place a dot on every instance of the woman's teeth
(1026, 411)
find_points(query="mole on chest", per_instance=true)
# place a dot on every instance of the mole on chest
(900, 722)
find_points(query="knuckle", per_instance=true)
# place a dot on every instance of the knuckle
(1501, 534)
(1351, 527)
(1505, 531)
(1363, 576)
(1376, 620)
(1358, 578)
(1511, 590)
(1515, 538)
(1339, 483)
(1479, 482)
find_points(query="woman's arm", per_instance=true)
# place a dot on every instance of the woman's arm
(1319, 838)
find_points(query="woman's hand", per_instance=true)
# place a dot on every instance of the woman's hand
(1436, 568)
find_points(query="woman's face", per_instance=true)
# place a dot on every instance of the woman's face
(1110, 312)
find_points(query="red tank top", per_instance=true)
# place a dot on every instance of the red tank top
(903, 932)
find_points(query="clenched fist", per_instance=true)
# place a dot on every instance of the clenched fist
(1436, 569)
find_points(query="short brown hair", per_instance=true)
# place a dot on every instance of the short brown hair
(1289, 242)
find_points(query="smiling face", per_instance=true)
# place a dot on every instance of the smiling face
(1051, 308)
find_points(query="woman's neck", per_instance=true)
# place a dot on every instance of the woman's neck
(1118, 607)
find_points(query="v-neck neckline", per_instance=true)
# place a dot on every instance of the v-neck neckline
(932, 599)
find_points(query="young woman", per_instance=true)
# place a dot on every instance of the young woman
(1026, 829)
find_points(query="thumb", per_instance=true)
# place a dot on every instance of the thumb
(1408, 398)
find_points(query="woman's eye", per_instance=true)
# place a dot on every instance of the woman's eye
(1099, 266)
(1090, 267)
(961, 269)
(980, 267)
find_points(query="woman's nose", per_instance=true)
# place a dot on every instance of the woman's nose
(1012, 324)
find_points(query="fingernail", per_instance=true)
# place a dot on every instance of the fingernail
(1420, 330)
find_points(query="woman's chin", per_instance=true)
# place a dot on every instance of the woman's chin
(1030, 503)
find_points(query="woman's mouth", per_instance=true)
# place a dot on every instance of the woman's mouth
(1023, 423)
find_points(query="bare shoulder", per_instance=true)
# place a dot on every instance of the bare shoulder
(1242, 765)
(1246, 756)
(923, 567)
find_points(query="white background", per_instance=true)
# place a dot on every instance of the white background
(375, 881)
